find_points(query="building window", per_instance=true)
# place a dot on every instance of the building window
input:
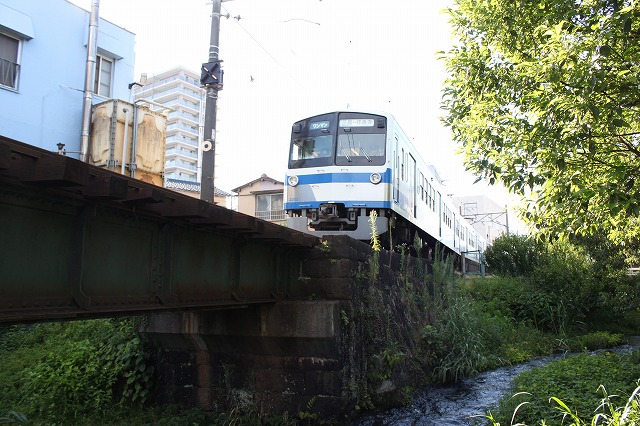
(269, 207)
(104, 75)
(9, 66)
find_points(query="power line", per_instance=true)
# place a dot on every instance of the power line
(263, 48)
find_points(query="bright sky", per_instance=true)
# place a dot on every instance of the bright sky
(285, 60)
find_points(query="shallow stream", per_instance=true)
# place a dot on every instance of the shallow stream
(458, 404)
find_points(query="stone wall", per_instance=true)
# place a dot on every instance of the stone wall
(344, 339)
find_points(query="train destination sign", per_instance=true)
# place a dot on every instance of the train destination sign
(356, 122)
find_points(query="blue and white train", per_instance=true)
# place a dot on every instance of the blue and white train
(344, 165)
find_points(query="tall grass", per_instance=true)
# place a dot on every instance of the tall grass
(458, 340)
(375, 246)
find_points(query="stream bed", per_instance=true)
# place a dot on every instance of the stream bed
(459, 404)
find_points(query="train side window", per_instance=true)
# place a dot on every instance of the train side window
(433, 204)
(402, 166)
(424, 190)
(433, 199)
(406, 161)
(427, 195)
(421, 188)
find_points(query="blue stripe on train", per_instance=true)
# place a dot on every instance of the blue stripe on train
(338, 178)
(316, 204)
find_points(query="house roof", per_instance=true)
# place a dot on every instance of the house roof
(220, 192)
(262, 178)
(187, 185)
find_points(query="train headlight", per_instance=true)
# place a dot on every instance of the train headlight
(293, 180)
(375, 178)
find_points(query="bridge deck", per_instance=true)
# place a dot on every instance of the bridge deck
(80, 241)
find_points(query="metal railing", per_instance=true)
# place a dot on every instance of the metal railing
(271, 215)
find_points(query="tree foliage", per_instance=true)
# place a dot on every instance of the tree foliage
(544, 96)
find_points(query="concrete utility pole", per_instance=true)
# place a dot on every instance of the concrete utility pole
(211, 78)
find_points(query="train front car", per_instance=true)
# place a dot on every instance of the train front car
(339, 173)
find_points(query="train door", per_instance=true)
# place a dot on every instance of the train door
(396, 172)
(412, 184)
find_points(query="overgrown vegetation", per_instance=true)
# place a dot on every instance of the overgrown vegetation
(565, 287)
(538, 99)
(574, 304)
(91, 372)
(580, 387)
(545, 298)
(67, 371)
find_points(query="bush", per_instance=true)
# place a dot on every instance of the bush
(557, 292)
(594, 341)
(565, 276)
(512, 255)
(61, 371)
(520, 300)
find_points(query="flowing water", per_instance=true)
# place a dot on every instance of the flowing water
(459, 404)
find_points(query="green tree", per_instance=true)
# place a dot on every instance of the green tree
(543, 96)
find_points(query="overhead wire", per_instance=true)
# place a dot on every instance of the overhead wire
(263, 48)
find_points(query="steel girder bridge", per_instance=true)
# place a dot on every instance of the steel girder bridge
(78, 241)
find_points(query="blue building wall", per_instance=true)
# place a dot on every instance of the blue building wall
(46, 107)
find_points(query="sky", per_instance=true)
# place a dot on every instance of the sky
(285, 60)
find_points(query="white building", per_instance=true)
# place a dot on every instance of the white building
(180, 90)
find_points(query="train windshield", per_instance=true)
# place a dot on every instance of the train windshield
(360, 149)
(342, 139)
(311, 151)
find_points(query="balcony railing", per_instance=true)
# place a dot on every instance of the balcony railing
(183, 152)
(271, 215)
(182, 126)
(185, 115)
(172, 164)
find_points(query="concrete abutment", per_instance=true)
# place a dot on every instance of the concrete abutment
(313, 352)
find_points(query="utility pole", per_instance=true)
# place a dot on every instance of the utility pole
(211, 79)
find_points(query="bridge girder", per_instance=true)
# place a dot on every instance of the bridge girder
(79, 241)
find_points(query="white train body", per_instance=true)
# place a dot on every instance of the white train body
(344, 165)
